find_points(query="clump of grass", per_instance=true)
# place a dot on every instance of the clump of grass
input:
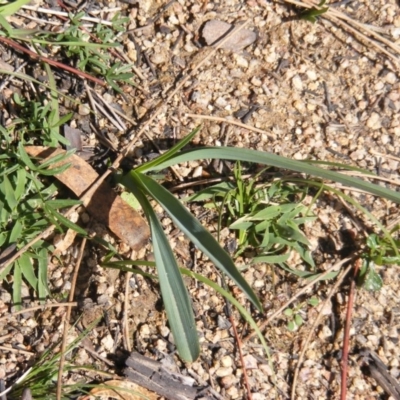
(267, 217)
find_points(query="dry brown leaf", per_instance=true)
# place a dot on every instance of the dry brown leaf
(105, 206)
(122, 390)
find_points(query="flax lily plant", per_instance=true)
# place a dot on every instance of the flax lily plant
(175, 296)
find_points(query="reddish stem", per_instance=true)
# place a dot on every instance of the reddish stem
(49, 61)
(239, 346)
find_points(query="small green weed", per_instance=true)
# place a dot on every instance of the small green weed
(35, 120)
(267, 217)
(379, 251)
(294, 317)
(27, 206)
(313, 13)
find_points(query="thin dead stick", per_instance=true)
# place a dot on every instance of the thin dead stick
(377, 177)
(42, 307)
(366, 28)
(366, 38)
(125, 328)
(67, 318)
(371, 30)
(114, 118)
(300, 292)
(314, 325)
(228, 121)
(10, 77)
(85, 198)
(110, 118)
(38, 20)
(17, 382)
(91, 101)
(49, 61)
(125, 117)
(23, 249)
(389, 156)
(346, 339)
(134, 68)
(16, 350)
(65, 14)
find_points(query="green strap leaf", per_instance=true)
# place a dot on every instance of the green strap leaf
(192, 228)
(150, 165)
(260, 157)
(174, 293)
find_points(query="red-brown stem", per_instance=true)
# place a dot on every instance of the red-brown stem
(346, 339)
(49, 61)
(239, 344)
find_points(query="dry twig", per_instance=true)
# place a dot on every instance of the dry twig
(41, 307)
(232, 122)
(67, 318)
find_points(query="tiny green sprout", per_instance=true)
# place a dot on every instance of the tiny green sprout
(313, 301)
(379, 251)
(312, 14)
(369, 278)
(295, 320)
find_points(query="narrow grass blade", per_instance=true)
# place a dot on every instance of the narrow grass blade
(192, 228)
(65, 221)
(21, 183)
(273, 259)
(17, 287)
(260, 157)
(42, 274)
(174, 293)
(167, 155)
(55, 115)
(12, 7)
(25, 263)
(210, 192)
(9, 193)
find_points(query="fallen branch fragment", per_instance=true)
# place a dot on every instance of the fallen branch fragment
(153, 376)
(374, 367)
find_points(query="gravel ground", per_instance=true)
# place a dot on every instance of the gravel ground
(311, 91)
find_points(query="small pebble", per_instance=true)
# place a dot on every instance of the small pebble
(214, 30)
(374, 121)
(226, 361)
(223, 371)
(84, 109)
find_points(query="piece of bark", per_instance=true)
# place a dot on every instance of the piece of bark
(153, 376)
(379, 371)
(105, 206)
